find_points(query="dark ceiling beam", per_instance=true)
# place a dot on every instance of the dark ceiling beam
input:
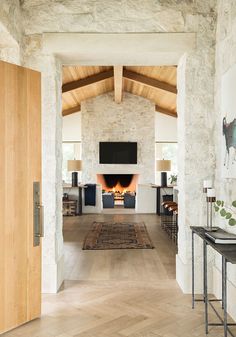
(71, 110)
(148, 81)
(166, 111)
(87, 81)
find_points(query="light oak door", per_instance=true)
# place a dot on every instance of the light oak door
(20, 167)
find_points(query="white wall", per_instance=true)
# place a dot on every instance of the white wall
(165, 128)
(71, 130)
(225, 186)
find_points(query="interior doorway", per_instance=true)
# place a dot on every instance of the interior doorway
(110, 52)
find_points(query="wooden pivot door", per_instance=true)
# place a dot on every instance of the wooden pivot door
(20, 167)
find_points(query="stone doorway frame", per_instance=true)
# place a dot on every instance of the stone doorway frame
(156, 49)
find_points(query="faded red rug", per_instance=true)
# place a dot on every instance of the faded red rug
(117, 235)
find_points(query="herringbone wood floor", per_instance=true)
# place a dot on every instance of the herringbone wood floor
(120, 293)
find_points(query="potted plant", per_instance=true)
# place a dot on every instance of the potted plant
(173, 179)
(228, 212)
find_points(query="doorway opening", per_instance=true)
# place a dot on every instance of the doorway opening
(124, 192)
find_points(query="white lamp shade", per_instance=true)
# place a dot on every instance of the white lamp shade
(163, 165)
(74, 165)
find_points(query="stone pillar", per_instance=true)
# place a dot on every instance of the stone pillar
(196, 160)
(52, 254)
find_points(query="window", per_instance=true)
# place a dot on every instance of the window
(168, 151)
(70, 150)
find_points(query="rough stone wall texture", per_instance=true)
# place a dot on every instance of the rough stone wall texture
(225, 58)
(50, 69)
(105, 120)
(196, 89)
(11, 19)
(10, 31)
(196, 122)
(114, 16)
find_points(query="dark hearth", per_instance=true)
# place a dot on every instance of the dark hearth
(113, 179)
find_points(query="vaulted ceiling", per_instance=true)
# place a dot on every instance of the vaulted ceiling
(158, 84)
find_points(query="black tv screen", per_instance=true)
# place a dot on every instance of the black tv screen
(118, 153)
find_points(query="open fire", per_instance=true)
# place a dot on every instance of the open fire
(118, 183)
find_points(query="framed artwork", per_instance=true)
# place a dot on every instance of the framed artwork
(228, 120)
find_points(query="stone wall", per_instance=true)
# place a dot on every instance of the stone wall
(196, 81)
(196, 162)
(115, 16)
(10, 31)
(196, 91)
(52, 243)
(104, 120)
(225, 188)
(11, 19)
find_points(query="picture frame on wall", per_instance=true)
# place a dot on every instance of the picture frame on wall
(228, 120)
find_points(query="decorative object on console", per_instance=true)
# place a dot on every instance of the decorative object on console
(163, 166)
(207, 184)
(74, 166)
(222, 237)
(226, 211)
(211, 198)
(173, 179)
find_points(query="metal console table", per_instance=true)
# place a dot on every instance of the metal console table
(228, 253)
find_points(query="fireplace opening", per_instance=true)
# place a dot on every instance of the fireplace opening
(119, 185)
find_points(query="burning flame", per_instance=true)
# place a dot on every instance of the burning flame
(119, 188)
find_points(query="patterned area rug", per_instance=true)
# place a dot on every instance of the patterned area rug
(117, 235)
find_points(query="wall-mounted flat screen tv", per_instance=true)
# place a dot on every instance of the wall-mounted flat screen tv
(118, 153)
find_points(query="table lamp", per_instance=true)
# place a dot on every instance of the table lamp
(74, 166)
(163, 166)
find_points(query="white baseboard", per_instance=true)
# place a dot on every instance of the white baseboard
(52, 276)
(184, 276)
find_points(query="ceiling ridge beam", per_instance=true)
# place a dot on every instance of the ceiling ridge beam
(148, 81)
(166, 111)
(118, 83)
(87, 81)
(71, 110)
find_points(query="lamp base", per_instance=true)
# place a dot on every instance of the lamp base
(163, 179)
(74, 179)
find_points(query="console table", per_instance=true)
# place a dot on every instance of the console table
(77, 196)
(228, 253)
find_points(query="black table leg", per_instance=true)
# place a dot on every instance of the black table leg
(205, 284)
(222, 287)
(224, 299)
(193, 290)
(80, 201)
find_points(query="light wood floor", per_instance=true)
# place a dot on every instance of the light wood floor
(117, 265)
(118, 293)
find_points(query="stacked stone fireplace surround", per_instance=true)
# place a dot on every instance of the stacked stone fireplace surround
(133, 120)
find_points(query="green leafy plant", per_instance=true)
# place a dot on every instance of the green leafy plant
(227, 212)
(173, 178)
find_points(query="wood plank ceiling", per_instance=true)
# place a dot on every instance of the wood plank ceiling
(158, 84)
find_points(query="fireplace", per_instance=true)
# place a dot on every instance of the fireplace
(119, 184)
